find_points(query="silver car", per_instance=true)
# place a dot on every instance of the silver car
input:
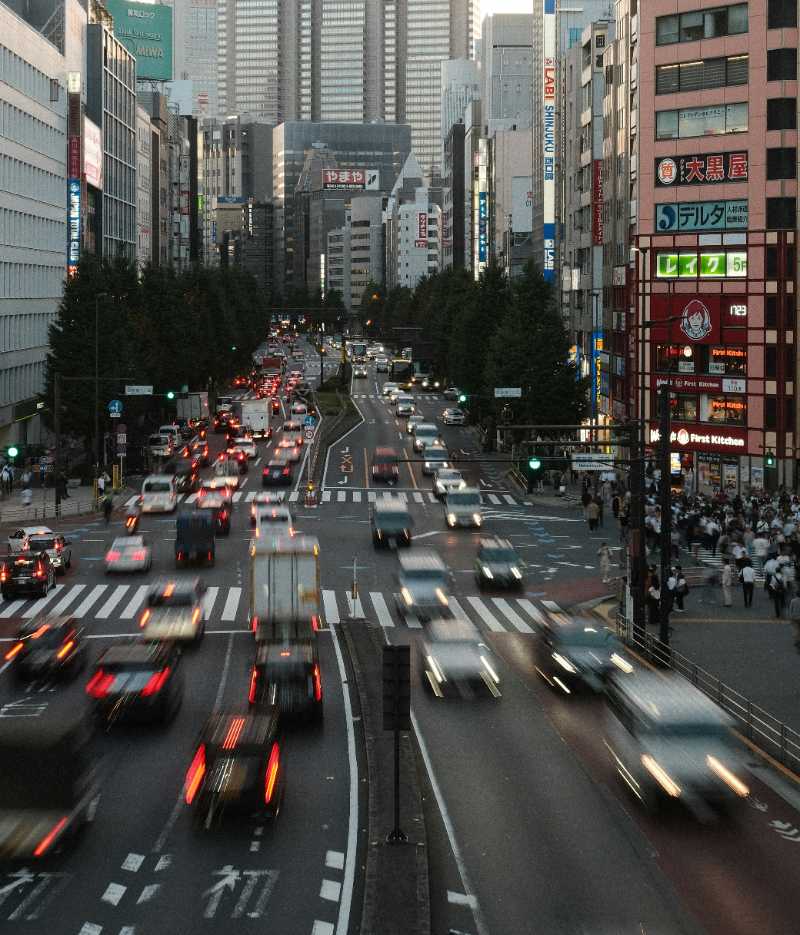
(454, 659)
(454, 417)
(446, 480)
(436, 457)
(463, 507)
(58, 547)
(426, 433)
(131, 554)
(424, 584)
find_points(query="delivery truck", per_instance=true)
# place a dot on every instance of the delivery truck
(193, 406)
(284, 588)
(255, 415)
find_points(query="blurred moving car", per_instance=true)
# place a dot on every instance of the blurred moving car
(273, 521)
(424, 584)
(286, 673)
(426, 433)
(229, 470)
(236, 767)
(498, 565)
(359, 372)
(381, 365)
(136, 681)
(216, 485)
(453, 658)
(247, 445)
(131, 554)
(276, 474)
(29, 573)
(265, 499)
(668, 741)
(186, 472)
(462, 507)
(388, 388)
(159, 493)
(446, 480)
(391, 522)
(195, 532)
(220, 512)
(435, 458)
(50, 793)
(174, 611)
(58, 547)
(413, 422)
(454, 417)
(572, 653)
(385, 465)
(452, 392)
(47, 647)
(19, 539)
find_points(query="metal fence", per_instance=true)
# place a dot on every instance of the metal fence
(758, 725)
(46, 509)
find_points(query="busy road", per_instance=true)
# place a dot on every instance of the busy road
(529, 826)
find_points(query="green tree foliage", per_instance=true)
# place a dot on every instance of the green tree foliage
(165, 328)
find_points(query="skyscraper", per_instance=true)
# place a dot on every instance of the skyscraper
(342, 60)
(195, 44)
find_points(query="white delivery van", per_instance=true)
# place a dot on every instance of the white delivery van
(159, 493)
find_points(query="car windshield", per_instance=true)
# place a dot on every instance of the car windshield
(449, 476)
(424, 574)
(157, 486)
(40, 542)
(399, 519)
(427, 430)
(499, 555)
(385, 458)
(584, 636)
(463, 499)
(157, 440)
(436, 454)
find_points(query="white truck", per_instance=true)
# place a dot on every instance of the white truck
(284, 588)
(255, 415)
(193, 406)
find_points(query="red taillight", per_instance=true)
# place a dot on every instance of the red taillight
(44, 845)
(39, 572)
(223, 514)
(113, 556)
(99, 684)
(271, 777)
(195, 773)
(210, 556)
(285, 472)
(59, 546)
(15, 650)
(139, 555)
(317, 683)
(156, 682)
(5, 574)
(251, 694)
(314, 622)
(130, 521)
(254, 624)
(234, 732)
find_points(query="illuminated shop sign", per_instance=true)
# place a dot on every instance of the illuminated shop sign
(701, 169)
(702, 215)
(711, 265)
(699, 438)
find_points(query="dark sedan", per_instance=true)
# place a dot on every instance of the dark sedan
(48, 648)
(136, 681)
(276, 474)
(577, 654)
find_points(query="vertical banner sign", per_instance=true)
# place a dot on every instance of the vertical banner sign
(74, 171)
(597, 202)
(73, 225)
(549, 138)
(422, 230)
(483, 225)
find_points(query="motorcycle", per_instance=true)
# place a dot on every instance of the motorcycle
(132, 520)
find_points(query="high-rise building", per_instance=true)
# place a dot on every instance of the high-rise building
(412, 229)
(342, 60)
(460, 85)
(195, 52)
(506, 56)
(144, 182)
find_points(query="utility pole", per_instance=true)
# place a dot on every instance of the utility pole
(636, 542)
(57, 432)
(666, 511)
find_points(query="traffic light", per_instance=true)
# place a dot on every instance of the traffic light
(12, 452)
(170, 394)
(770, 460)
(462, 398)
(534, 463)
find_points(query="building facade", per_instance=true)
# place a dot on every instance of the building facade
(195, 52)
(412, 225)
(506, 56)
(144, 188)
(33, 215)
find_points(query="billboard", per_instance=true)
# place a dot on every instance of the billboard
(597, 202)
(522, 204)
(712, 264)
(92, 154)
(731, 214)
(344, 179)
(549, 138)
(701, 169)
(483, 227)
(73, 225)
(145, 29)
(422, 230)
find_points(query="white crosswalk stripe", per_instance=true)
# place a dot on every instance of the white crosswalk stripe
(551, 605)
(356, 496)
(532, 610)
(381, 610)
(330, 606)
(12, 608)
(486, 615)
(294, 496)
(334, 495)
(135, 602)
(509, 499)
(341, 496)
(508, 611)
(417, 497)
(326, 496)
(250, 496)
(231, 604)
(67, 598)
(432, 498)
(91, 598)
(209, 601)
(116, 596)
(371, 496)
(43, 601)
(191, 498)
(237, 496)
(493, 498)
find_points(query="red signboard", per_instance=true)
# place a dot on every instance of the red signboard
(701, 169)
(695, 319)
(687, 382)
(597, 202)
(422, 230)
(343, 179)
(74, 157)
(696, 437)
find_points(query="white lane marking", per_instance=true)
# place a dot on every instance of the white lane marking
(257, 461)
(331, 609)
(372, 496)
(135, 602)
(532, 609)
(326, 496)
(330, 890)
(133, 862)
(321, 928)
(251, 494)
(508, 611)
(10, 609)
(552, 606)
(68, 598)
(90, 928)
(148, 893)
(343, 922)
(341, 496)
(381, 610)
(191, 498)
(354, 607)
(237, 496)
(486, 615)
(128, 929)
(461, 899)
(114, 893)
(294, 496)
(255, 847)
(493, 498)
(208, 601)
(356, 496)
(90, 599)
(509, 499)
(417, 497)
(116, 596)
(334, 860)
(231, 604)
(37, 605)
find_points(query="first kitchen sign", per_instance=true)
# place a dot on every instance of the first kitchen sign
(701, 169)
(703, 438)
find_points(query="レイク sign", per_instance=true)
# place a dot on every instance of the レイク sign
(716, 265)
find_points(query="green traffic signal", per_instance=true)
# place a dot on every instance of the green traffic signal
(534, 463)
(13, 451)
(170, 395)
(462, 398)
(770, 459)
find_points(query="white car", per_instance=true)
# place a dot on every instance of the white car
(247, 445)
(292, 455)
(426, 433)
(388, 389)
(405, 406)
(463, 507)
(454, 417)
(273, 521)
(299, 409)
(263, 500)
(129, 554)
(436, 457)
(413, 422)
(446, 480)
(359, 373)
(19, 539)
(381, 365)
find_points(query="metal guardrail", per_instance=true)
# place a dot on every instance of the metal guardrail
(758, 725)
(47, 510)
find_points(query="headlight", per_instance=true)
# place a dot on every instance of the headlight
(516, 572)
(729, 778)
(407, 596)
(476, 518)
(565, 664)
(487, 572)
(661, 776)
(451, 519)
(442, 596)
(437, 672)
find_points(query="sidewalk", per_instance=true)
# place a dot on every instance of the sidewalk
(43, 505)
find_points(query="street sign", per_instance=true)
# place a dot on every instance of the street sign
(309, 434)
(115, 408)
(138, 390)
(45, 463)
(115, 415)
(309, 422)
(594, 461)
(508, 392)
(122, 438)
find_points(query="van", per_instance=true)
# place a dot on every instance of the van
(160, 445)
(159, 493)
(173, 431)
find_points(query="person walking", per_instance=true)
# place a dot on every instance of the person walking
(101, 486)
(794, 616)
(27, 497)
(108, 506)
(727, 582)
(681, 589)
(592, 514)
(600, 506)
(777, 592)
(653, 599)
(604, 555)
(748, 578)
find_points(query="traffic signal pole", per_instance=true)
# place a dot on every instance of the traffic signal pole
(666, 511)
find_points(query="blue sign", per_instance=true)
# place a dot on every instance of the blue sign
(483, 217)
(309, 422)
(702, 215)
(115, 406)
(73, 224)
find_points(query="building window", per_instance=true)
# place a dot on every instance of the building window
(701, 121)
(782, 162)
(683, 408)
(782, 113)
(781, 14)
(781, 213)
(782, 65)
(727, 410)
(702, 75)
(701, 24)
(728, 360)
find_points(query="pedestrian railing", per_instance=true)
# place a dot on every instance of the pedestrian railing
(758, 725)
(47, 510)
